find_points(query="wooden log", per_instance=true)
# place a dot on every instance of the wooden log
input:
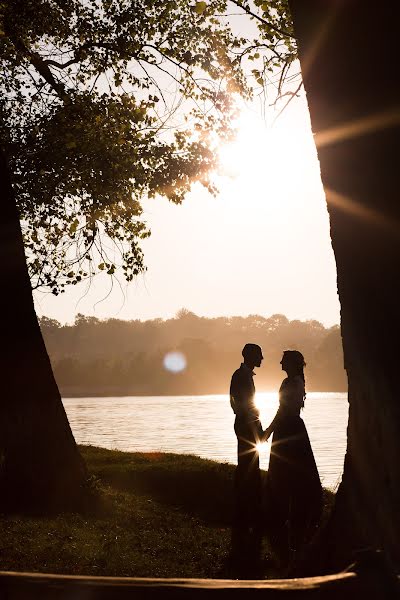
(41, 586)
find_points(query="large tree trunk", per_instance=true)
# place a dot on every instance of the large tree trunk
(347, 51)
(40, 466)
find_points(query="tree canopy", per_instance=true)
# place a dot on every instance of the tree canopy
(106, 102)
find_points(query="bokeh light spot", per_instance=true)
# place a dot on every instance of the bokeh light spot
(174, 362)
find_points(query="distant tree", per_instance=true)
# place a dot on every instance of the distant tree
(256, 321)
(126, 357)
(327, 365)
(49, 324)
(68, 371)
(184, 313)
(276, 321)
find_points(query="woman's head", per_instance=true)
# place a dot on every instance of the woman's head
(293, 363)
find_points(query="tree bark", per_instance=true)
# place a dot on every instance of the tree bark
(346, 50)
(40, 466)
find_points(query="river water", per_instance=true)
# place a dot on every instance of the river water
(203, 425)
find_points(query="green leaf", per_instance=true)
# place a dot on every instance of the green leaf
(73, 226)
(200, 7)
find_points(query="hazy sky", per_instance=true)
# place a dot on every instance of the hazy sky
(261, 246)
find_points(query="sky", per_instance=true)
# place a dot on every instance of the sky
(261, 246)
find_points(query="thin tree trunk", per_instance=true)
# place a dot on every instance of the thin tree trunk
(40, 466)
(347, 49)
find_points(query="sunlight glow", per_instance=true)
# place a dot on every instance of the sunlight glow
(357, 128)
(259, 401)
(268, 224)
(267, 403)
(347, 204)
(270, 159)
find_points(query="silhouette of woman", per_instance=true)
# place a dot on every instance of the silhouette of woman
(293, 488)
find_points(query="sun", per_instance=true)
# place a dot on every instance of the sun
(269, 157)
(246, 153)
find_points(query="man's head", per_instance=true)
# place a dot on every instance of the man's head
(252, 355)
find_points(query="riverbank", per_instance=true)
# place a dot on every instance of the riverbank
(161, 515)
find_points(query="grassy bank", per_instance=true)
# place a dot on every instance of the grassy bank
(162, 515)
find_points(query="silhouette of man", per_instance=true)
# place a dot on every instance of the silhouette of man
(249, 432)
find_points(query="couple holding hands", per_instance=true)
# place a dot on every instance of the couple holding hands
(287, 506)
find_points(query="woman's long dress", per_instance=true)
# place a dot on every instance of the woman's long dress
(293, 488)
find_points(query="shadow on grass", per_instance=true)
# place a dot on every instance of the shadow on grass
(196, 486)
(199, 487)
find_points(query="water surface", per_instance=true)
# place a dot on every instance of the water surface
(203, 425)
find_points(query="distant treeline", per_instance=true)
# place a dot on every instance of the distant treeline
(114, 357)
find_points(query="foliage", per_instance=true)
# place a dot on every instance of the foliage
(106, 102)
(115, 357)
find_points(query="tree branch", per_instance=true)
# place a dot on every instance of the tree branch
(54, 63)
(263, 21)
(40, 65)
(292, 95)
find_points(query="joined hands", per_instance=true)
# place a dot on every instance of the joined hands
(266, 434)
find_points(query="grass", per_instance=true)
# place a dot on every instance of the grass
(162, 515)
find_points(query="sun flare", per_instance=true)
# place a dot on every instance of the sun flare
(271, 160)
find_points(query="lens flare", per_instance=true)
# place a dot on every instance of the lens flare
(174, 362)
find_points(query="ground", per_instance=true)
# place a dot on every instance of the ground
(159, 515)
